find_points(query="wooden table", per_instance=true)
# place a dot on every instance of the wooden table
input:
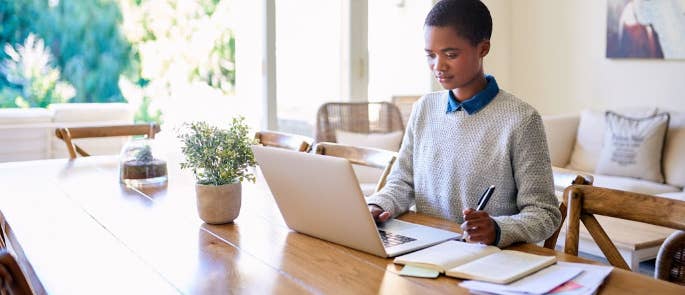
(85, 233)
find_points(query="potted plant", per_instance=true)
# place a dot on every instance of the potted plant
(219, 159)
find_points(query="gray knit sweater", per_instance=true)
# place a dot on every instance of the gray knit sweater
(447, 160)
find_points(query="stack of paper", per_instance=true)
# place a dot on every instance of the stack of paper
(562, 278)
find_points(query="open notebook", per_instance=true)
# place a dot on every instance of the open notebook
(477, 261)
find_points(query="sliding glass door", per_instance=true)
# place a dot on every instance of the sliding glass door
(308, 60)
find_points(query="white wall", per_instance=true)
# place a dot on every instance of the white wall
(498, 60)
(558, 61)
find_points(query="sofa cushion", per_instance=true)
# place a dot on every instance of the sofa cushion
(633, 146)
(590, 136)
(24, 116)
(676, 195)
(564, 177)
(674, 150)
(633, 184)
(561, 131)
(369, 176)
(25, 134)
(91, 112)
(387, 141)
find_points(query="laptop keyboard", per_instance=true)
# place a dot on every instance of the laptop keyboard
(390, 239)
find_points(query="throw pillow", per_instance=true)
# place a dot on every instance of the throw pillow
(633, 147)
(591, 135)
(387, 141)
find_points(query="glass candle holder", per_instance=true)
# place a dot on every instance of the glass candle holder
(140, 163)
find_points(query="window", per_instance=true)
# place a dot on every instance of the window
(308, 60)
(397, 65)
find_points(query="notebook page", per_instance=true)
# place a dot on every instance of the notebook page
(502, 267)
(446, 255)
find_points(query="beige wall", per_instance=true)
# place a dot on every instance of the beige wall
(498, 62)
(554, 59)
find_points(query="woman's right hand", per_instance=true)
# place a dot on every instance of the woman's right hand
(379, 215)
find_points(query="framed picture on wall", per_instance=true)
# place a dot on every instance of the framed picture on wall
(646, 29)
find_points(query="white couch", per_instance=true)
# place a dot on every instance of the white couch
(28, 134)
(575, 142)
(563, 130)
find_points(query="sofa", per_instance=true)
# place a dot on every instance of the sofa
(577, 146)
(581, 135)
(28, 134)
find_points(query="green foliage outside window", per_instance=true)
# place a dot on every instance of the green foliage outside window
(33, 82)
(182, 42)
(156, 47)
(85, 40)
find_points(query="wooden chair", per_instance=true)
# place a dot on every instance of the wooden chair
(3, 239)
(377, 158)
(551, 242)
(68, 134)
(284, 140)
(12, 279)
(359, 117)
(670, 261)
(583, 201)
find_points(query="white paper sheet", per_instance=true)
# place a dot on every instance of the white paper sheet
(540, 282)
(579, 279)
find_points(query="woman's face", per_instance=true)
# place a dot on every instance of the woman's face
(454, 61)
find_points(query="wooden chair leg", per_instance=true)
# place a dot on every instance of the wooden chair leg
(81, 152)
(384, 176)
(67, 139)
(574, 201)
(151, 131)
(602, 239)
(551, 242)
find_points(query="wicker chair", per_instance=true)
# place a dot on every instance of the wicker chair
(405, 103)
(670, 262)
(12, 279)
(359, 117)
(284, 140)
(370, 157)
(67, 134)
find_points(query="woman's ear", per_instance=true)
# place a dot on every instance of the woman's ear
(484, 48)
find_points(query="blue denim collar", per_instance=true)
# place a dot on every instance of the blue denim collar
(478, 101)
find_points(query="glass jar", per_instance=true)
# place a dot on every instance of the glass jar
(140, 163)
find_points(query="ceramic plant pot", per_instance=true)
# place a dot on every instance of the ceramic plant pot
(218, 204)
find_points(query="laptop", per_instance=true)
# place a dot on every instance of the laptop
(319, 196)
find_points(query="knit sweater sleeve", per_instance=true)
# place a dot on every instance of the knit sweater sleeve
(398, 193)
(539, 214)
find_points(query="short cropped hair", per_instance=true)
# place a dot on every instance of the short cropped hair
(470, 18)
